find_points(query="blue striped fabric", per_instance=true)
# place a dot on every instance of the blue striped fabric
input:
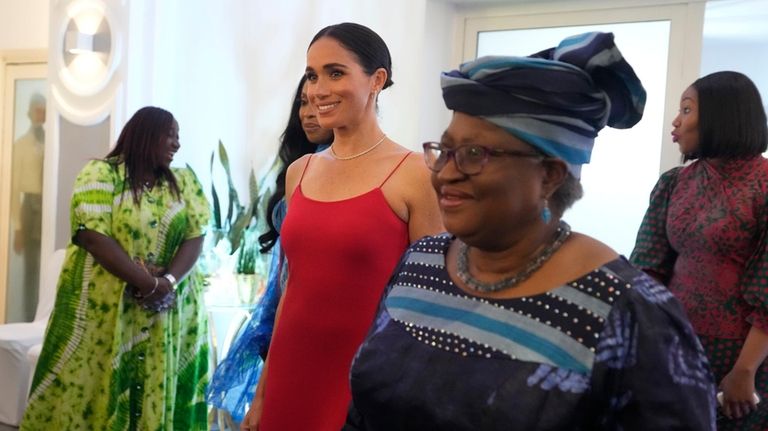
(556, 100)
(512, 333)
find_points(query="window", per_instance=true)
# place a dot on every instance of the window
(625, 163)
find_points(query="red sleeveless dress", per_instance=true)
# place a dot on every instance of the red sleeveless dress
(340, 256)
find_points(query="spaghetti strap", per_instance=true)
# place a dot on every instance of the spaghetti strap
(304, 171)
(395, 169)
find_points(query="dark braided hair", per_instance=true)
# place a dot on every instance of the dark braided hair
(137, 147)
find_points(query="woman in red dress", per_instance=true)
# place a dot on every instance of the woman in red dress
(705, 236)
(352, 211)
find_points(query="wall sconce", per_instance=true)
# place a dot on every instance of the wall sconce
(86, 35)
(76, 42)
(86, 45)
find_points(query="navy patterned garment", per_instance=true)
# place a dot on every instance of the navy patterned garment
(609, 351)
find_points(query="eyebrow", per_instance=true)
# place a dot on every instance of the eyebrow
(329, 66)
(472, 138)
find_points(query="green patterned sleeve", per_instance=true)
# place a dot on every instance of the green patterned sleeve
(92, 198)
(653, 253)
(198, 209)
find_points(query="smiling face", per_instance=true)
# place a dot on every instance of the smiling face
(338, 87)
(169, 145)
(686, 123)
(308, 117)
(500, 202)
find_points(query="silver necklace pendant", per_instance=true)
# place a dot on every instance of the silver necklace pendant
(462, 264)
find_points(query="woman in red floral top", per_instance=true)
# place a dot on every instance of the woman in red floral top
(705, 236)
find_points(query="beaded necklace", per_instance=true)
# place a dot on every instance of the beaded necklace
(462, 270)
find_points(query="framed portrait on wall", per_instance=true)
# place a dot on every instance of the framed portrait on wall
(21, 196)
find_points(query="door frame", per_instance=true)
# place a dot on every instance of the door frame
(35, 59)
(685, 34)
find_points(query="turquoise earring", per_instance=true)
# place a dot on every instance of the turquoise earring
(546, 214)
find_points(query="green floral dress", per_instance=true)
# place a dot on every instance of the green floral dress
(106, 363)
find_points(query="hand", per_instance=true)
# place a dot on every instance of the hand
(153, 269)
(157, 299)
(738, 387)
(253, 417)
(18, 241)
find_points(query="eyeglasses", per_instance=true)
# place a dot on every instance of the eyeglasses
(469, 159)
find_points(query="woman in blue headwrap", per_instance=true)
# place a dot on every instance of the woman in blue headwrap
(510, 321)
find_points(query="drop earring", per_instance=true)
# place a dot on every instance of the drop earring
(546, 214)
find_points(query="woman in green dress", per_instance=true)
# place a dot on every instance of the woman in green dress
(126, 346)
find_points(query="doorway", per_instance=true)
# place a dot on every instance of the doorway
(24, 104)
(625, 164)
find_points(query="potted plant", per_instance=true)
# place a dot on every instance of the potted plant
(231, 261)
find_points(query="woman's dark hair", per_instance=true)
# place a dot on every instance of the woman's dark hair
(566, 195)
(369, 48)
(732, 121)
(293, 145)
(138, 145)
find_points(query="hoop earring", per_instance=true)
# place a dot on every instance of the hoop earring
(546, 214)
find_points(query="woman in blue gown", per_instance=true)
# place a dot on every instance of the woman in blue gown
(234, 381)
(510, 321)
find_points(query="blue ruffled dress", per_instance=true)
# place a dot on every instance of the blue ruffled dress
(234, 381)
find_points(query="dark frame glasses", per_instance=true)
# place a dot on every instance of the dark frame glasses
(469, 159)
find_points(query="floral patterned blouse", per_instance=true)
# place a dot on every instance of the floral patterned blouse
(704, 235)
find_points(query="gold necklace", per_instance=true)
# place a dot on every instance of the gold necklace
(354, 156)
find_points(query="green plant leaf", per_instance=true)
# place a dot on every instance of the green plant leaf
(234, 202)
(238, 227)
(215, 199)
(242, 224)
(255, 197)
(246, 259)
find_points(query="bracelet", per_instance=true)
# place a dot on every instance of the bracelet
(154, 289)
(168, 276)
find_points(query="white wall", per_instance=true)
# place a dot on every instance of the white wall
(228, 70)
(23, 24)
(441, 52)
(735, 37)
(749, 57)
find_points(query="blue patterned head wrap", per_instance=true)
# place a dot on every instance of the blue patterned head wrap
(556, 100)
